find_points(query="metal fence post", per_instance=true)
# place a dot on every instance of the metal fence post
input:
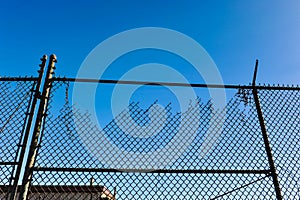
(28, 127)
(37, 129)
(265, 136)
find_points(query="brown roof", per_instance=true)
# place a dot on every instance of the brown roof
(63, 189)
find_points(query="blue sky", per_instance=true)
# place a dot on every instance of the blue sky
(233, 32)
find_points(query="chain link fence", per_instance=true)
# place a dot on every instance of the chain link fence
(15, 103)
(235, 167)
(281, 109)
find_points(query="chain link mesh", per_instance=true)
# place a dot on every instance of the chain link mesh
(236, 167)
(282, 117)
(14, 104)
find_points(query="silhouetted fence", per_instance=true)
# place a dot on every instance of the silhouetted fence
(255, 156)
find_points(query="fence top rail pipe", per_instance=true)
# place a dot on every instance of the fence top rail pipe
(153, 83)
(18, 78)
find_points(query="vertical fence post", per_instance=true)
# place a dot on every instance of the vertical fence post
(37, 130)
(265, 136)
(28, 127)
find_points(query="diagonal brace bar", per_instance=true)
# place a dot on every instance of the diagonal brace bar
(265, 136)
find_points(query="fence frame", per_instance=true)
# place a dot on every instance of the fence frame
(16, 165)
(40, 119)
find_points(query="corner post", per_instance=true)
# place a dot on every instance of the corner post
(265, 136)
(37, 129)
(28, 127)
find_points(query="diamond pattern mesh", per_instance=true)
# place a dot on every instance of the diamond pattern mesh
(79, 160)
(236, 167)
(282, 118)
(14, 103)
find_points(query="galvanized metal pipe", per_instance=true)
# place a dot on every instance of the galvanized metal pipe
(37, 129)
(28, 127)
(265, 137)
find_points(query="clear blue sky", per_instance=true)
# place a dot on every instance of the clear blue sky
(233, 32)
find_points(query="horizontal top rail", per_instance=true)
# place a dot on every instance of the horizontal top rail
(9, 163)
(18, 78)
(154, 83)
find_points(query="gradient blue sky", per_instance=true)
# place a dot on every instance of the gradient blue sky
(233, 32)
